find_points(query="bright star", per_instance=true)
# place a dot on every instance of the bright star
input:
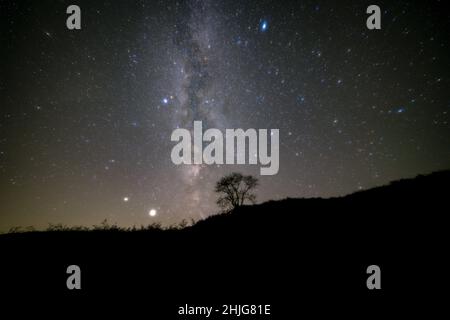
(152, 212)
(263, 26)
(165, 101)
(126, 199)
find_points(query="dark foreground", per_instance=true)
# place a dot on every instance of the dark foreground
(300, 256)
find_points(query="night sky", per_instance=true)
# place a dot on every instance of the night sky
(86, 115)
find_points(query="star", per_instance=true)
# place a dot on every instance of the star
(264, 25)
(152, 212)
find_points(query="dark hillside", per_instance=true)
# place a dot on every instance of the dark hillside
(286, 253)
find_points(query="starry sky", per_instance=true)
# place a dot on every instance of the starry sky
(86, 116)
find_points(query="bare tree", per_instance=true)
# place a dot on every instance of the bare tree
(234, 190)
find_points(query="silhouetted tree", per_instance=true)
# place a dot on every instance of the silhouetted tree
(235, 189)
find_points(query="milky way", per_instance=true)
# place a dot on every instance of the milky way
(87, 115)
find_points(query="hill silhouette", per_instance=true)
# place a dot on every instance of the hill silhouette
(317, 248)
(399, 204)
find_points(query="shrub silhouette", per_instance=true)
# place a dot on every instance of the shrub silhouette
(234, 190)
